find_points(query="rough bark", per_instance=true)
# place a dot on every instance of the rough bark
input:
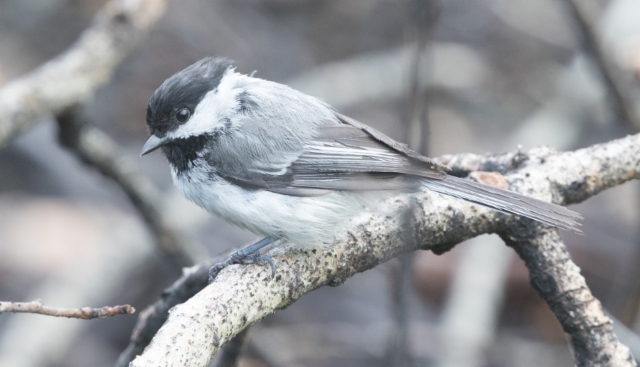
(193, 280)
(242, 295)
(558, 281)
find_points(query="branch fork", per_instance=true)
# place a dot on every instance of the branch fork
(240, 296)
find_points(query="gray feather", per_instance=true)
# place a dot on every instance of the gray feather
(336, 157)
(256, 154)
(507, 201)
(350, 156)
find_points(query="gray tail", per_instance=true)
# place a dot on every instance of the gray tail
(507, 201)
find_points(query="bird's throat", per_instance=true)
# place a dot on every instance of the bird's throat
(182, 152)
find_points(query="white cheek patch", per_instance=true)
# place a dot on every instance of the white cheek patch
(213, 111)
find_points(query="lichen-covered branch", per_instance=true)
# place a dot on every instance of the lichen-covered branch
(463, 164)
(559, 282)
(583, 173)
(86, 313)
(72, 77)
(97, 149)
(242, 295)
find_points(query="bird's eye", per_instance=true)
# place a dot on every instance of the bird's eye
(183, 115)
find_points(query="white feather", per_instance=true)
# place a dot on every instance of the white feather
(301, 220)
(211, 113)
(305, 221)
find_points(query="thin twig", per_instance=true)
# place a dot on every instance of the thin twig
(118, 247)
(424, 14)
(622, 105)
(85, 313)
(243, 295)
(97, 149)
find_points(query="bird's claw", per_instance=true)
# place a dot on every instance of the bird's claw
(242, 259)
(215, 269)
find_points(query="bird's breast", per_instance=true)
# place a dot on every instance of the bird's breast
(302, 220)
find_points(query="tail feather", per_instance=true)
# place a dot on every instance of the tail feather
(507, 201)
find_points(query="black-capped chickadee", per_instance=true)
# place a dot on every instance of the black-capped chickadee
(285, 165)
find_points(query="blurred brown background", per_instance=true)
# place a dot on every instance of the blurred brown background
(499, 74)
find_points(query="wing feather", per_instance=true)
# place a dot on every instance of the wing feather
(338, 156)
(346, 155)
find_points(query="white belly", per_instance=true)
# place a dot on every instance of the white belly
(301, 220)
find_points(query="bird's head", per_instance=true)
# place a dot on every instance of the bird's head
(191, 105)
(188, 111)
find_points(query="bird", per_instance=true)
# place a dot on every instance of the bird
(289, 167)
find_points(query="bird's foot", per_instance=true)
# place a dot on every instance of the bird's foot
(246, 256)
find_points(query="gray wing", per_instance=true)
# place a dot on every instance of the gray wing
(344, 155)
(347, 155)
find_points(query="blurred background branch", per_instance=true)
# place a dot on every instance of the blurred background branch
(73, 77)
(229, 355)
(584, 16)
(423, 17)
(501, 74)
(97, 149)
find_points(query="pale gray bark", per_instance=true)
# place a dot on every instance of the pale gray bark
(242, 295)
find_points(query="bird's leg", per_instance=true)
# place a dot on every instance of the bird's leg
(247, 255)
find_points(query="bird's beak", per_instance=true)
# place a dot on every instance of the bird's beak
(152, 144)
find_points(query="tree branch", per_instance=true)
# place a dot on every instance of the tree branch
(558, 281)
(85, 313)
(193, 280)
(622, 105)
(463, 164)
(242, 295)
(72, 77)
(95, 148)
